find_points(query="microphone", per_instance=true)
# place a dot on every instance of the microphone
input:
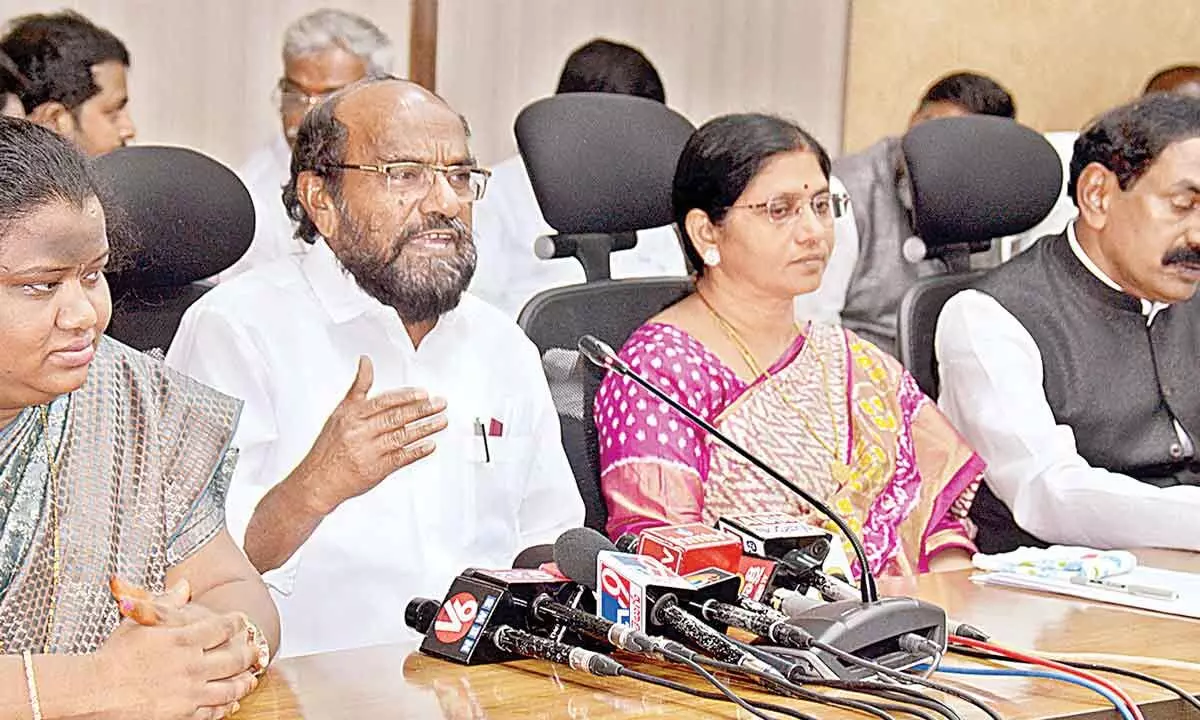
(639, 591)
(532, 558)
(519, 642)
(874, 631)
(600, 354)
(686, 548)
(477, 602)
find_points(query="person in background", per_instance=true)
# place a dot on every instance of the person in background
(1183, 79)
(396, 429)
(508, 221)
(882, 203)
(114, 472)
(751, 193)
(323, 52)
(1073, 367)
(76, 77)
(12, 84)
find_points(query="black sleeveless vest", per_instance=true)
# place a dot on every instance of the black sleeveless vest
(1116, 382)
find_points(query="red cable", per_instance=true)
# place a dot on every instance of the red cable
(1035, 660)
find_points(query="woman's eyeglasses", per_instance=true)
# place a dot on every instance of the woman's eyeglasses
(783, 208)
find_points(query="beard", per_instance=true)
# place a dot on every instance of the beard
(420, 287)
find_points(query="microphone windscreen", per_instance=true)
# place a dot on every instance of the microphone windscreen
(532, 558)
(420, 614)
(628, 543)
(575, 553)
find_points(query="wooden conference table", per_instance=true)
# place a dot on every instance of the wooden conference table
(399, 682)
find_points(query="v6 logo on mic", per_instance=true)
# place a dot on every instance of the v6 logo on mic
(456, 617)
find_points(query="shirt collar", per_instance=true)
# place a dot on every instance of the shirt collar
(334, 286)
(1149, 309)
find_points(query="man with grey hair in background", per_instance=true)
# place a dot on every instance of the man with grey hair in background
(323, 52)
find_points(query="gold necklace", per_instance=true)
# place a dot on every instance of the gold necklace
(840, 471)
(52, 464)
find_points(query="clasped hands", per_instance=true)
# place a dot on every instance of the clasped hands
(172, 658)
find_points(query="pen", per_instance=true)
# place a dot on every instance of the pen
(1148, 591)
(487, 455)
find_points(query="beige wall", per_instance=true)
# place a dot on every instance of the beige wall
(1063, 60)
(203, 70)
(714, 56)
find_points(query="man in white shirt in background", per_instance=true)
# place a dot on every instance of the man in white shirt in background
(1072, 369)
(509, 220)
(323, 52)
(396, 430)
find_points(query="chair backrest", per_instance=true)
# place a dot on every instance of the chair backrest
(978, 177)
(178, 217)
(555, 319)
(917, 323)
(973, 179)
(601, 164)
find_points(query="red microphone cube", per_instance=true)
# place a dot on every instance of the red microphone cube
(687, 548)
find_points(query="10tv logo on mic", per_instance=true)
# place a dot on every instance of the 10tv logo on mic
(622, 580)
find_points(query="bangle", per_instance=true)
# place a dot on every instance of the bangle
(31, 684)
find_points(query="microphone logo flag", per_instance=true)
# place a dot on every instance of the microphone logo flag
(622, 579)
(462, 615)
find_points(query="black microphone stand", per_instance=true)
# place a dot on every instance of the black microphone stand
(602, 356)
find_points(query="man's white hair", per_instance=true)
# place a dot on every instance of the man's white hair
(326, 29)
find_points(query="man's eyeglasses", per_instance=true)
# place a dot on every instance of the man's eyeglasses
(291, 100)
(414, 179)
(786, 207)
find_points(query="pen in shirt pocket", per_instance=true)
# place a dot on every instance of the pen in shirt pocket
(482, 431)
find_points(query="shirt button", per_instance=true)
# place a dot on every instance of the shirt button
(1176, 450)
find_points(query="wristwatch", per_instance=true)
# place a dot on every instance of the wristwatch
(259, 641)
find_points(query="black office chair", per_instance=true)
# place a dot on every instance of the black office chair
(177, 217)
(601, 167)
(973, 179)
(555, 319)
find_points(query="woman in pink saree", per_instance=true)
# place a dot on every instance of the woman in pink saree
(830, 410)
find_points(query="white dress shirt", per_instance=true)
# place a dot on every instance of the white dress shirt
(286, 338)
(991, 390)
(508, 220)
(264, 175)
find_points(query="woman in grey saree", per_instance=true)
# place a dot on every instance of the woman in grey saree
(113, 472)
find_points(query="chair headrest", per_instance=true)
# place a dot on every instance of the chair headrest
(602, 162)
(979, 177)
(178, 216)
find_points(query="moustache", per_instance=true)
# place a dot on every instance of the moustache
(1183, 256)
(457, 227)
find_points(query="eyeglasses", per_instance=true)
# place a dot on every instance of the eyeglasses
(414, 179)
(297, 101)
(786, 207)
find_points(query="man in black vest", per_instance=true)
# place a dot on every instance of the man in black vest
(1073, 368)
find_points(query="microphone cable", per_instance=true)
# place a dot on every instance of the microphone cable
(794, 672)
(1167, 685)
(895, 693)
(888, 691)
(724, 691)
(1028, 659)
(913, 679)
(1116, 701)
